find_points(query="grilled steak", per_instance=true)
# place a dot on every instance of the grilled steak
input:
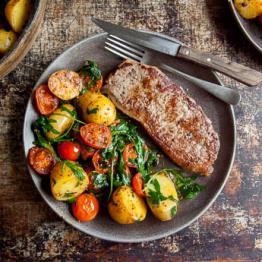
(173, 119)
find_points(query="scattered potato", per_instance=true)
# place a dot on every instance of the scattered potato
(249, 9)
(7, 40)
(17, 13)
(126, 207)
(64, 183)
(97, 108)
(165, 209)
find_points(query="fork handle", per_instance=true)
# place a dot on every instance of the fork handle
(239, 72)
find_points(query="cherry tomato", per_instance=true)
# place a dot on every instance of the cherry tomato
(68, 150)
(96, 136)
(138, 184)
(98, 163)
(45, 101)
(41, 160)
(89, 169)
(86, 152)
(129, 154)
(93, 87)
(85, 208)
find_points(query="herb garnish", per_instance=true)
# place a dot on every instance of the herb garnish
(76, 169)
(44, 123)
(156, 195)
(68, 194)
(92, 111)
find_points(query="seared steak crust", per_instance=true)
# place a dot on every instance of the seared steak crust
(173, 119)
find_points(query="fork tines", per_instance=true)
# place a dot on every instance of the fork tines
(124, 48)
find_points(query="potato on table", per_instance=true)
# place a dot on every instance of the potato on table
(65, 84)
(126, 207)
(17, 13)
(7, 40)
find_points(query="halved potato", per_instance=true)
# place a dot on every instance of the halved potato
(7, 40)
(17, 13)
(65, 84)
(162, 209)
(126, 207)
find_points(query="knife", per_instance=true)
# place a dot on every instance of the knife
(175, 48)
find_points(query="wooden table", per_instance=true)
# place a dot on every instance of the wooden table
(231, 229)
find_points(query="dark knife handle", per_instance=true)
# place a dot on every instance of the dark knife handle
(239, 72)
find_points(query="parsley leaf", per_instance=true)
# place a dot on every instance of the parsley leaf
(76, 169)
(156, 195)
(92, 111)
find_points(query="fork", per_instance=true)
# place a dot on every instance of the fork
(127, 50)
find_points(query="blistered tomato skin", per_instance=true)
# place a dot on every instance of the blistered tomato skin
(68, 150)
(46, 103)
(85, 208)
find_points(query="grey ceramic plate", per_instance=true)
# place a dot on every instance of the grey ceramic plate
(251, 28)
(103, 227)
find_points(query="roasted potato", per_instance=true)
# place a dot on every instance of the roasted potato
(7, 40)
(97, 108)
(249, 9)
(17, 13)
(65, 84)
(60, 120)
(126, 207)
(65, 184)
(162, 187)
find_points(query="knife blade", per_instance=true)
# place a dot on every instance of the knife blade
(175, 48)
(147, 40)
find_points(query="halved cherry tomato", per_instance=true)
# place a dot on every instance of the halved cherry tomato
(41, 160)
(96, 136)
(85, 208)
(93, 87)
(98, 163)
(129, 154)
(138, 184)
(68, 150)
(86, 152)
(45, 101)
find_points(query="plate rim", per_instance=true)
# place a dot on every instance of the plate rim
(111, 237)
(243, 29)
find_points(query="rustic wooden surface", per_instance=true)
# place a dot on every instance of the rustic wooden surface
(230, 230)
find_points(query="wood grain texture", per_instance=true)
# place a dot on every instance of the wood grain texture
(230, 230)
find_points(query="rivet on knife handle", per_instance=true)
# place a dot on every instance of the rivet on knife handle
(239, 72)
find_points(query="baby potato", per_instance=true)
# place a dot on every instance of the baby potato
(126, 207)
(64, 183)
(249, 9)
(60, 120)
(97, 108)
(7, 40)
(165, 209)
(65, 84)
(17, 13)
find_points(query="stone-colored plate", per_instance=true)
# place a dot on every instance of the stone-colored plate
(221, 115)
(251, 28)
